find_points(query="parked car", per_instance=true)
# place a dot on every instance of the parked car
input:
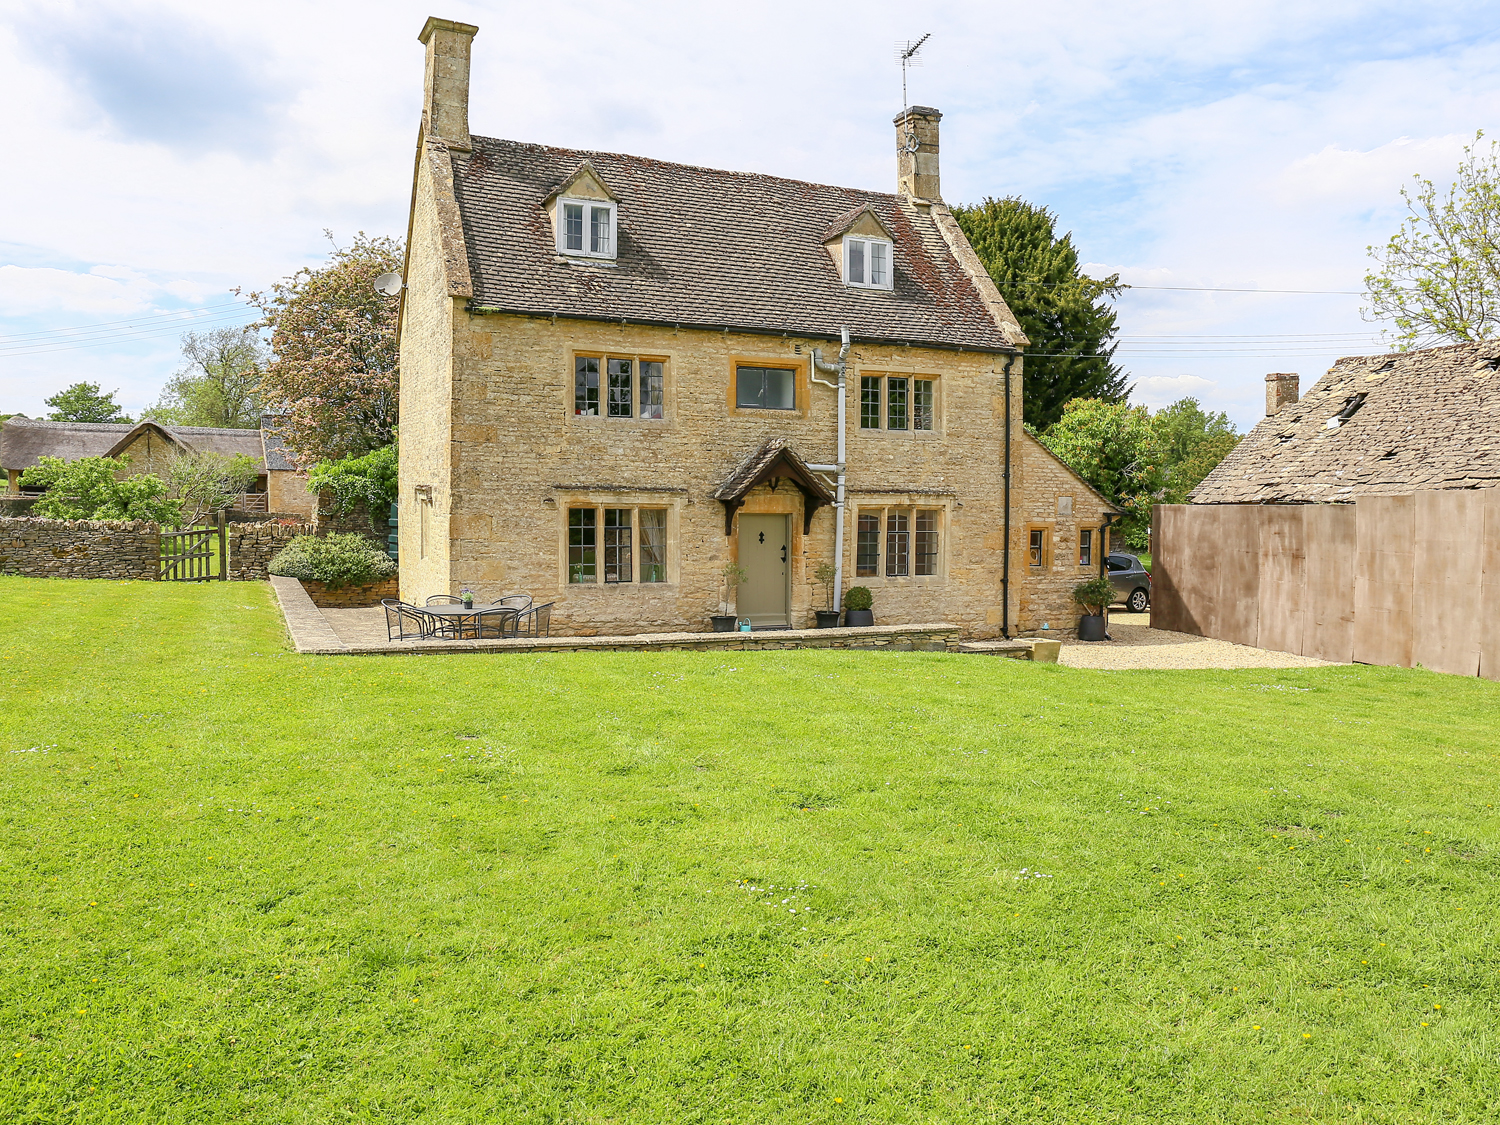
(1132, 583)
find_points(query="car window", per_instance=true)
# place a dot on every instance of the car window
(1117, 562)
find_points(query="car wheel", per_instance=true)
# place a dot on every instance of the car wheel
(1138, 600)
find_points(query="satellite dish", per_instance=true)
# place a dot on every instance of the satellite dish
(388, 284)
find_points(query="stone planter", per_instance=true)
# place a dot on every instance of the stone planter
(350, 597)
(827, 618)
(1091, 627)
(858, 618)
(724, 622)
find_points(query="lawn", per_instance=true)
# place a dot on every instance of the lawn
(243, 885)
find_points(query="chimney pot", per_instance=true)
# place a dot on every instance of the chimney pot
(917, 171)
(1281, 389)
(445, 106)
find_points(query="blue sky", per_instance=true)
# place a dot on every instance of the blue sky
(161, 154)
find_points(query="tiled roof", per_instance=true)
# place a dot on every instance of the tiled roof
(707, 248)
(1430, 419)
(275, 449)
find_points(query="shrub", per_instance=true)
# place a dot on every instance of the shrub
(87, 489)
(370, 480)
(334, 560)
(858, 597)
(1096, 594)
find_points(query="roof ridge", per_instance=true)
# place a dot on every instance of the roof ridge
(587, 152)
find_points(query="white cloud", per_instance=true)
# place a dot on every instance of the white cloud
(49, 293)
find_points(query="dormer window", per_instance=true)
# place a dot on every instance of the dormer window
(586, 227)
(867, 263)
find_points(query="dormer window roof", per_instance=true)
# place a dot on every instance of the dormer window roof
(585, 216)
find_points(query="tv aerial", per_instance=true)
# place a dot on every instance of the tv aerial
(388, 284)
(907, 56)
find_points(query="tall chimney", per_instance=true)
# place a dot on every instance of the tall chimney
(1281, 389)
(917, 153)
(445, 106)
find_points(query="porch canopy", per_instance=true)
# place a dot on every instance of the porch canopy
(775, 460)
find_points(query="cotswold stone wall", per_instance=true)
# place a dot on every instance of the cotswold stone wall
(252, 545)
(37, 548)
(350, 597)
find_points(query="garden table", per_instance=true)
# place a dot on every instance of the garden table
(472, 617)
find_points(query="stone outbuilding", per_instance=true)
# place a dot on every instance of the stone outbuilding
(150, 446)
(620, 376)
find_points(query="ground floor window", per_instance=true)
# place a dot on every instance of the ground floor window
(907, 540)
(1039, 547)
(633, 542)
(1086, 547)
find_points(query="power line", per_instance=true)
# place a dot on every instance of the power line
(130, 320)
(67, 344)
(1220, 289)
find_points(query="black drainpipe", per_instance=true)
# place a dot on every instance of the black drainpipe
(1109, 519)
(1005, 565)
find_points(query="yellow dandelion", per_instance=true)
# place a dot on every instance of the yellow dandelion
(1437, 1006)
(1257, 1027)
(869, 958)
(1307, 1035)
(838, 1099)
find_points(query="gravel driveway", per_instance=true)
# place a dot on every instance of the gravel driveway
(1136, 645)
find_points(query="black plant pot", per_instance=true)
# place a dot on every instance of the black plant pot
(827, 618)
(859, 618)
(724, 622)
(1091, 627)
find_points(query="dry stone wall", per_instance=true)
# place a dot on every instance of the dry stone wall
(115, 549)
(350, 597)
(252, 545)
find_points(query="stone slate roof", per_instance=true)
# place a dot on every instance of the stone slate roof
(709, 249)
(1430, 419)
(274, 449)
(23, 440)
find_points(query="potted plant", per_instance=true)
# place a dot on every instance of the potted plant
(828, 617)
(467, 596)
(1094, 596)
(732, 574)
(857, 603)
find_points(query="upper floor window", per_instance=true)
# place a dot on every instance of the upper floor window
(867, 262)
(617, 387)
(586, 227)
(897, 402)
(768, 388)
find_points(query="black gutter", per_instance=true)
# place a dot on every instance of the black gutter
(799, 334)
(1109, 519)
(1005, 563)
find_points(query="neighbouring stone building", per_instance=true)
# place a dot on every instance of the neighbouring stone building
(608, 392)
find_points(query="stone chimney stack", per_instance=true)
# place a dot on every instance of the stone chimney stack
(445, 105)
(917, 171)
(1281, 390)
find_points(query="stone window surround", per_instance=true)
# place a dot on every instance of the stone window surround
(884, 373)
(635, 421)
(802, 403)
(1048, 535)
(943, 506)
(568, 500)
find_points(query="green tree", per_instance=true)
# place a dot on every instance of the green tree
(1194, 442)
(370, 480)
(334, 378)
(208, 482)
(219, 385)
(1063, 312)
(89, 489)
(83, 402)
(1439, 275)
(1119, 450)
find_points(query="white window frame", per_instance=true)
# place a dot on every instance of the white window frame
(865, 244)
(587, 204)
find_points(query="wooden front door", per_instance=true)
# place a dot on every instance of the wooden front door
(765, 546)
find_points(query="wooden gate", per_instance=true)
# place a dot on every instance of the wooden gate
(188, 556)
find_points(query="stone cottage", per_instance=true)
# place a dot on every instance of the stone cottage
(150, 446)
(621, 375)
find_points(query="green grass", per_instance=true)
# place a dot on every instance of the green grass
(245, 885)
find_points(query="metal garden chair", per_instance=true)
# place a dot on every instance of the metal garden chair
(405, 622)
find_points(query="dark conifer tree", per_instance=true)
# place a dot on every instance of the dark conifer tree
(1066, 314)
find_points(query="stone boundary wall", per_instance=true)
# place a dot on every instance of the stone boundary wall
(13, 505)
(350, 597)
(252, 545)
(113, 549)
